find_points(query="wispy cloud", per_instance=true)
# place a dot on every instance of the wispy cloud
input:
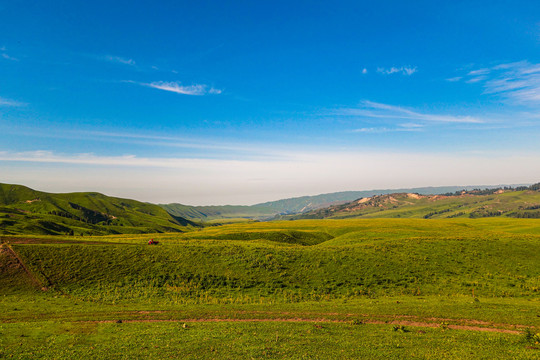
(476, 79)
(372, 109)
(11, 103)
(404, 70)
(207, 146)
(194, 180)
(479, 72)
(517, 81)
(215, 91)
(400, 128)
(5, 55)
(177, 87)
(364, 71)
(117, 60)
(380, 130)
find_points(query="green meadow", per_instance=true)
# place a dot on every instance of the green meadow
(373, 288)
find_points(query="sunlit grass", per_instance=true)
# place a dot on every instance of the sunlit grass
(450, 272)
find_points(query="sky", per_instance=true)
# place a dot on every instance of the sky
(240, 102)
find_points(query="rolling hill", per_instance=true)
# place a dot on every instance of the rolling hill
(267, 210)
(521, 202)
(27, 211)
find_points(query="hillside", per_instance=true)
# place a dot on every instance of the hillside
(357, 282)
(291, 261)
(521, 202)
(267, 210)
(27, 211)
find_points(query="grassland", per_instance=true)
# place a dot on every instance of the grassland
(295, 205)
(27, 211)
(462, 289)
(474, 204)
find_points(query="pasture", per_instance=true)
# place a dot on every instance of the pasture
(378, 288)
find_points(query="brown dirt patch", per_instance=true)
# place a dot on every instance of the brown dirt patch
(11, 266)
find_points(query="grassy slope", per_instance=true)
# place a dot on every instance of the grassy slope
(209, 213)
(13, 277)
(332, 270)
(403, 205)
(289, 206)
(26, 211)
(225, 340)
(302, 260)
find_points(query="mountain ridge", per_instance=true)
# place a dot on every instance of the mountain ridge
(520, 202)
(27, 211)
(24, 210)
(270, 209)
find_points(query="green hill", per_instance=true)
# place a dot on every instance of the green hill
(27, 211)
(522, 202)
(392, 280)
(268, 210)
(291, 261)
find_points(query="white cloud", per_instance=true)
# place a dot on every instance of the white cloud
(476, 79)
(404, 70)
(372, 130)
(10, 103)
(400, 128)
(378, 110)
(118, 60)
(221, 148)
(193, 181)
(479, 72)
(517, 81)
(411, 125)
(215, 91)
(176, 87)
(7, 57)
(454, 79)
(364, 71)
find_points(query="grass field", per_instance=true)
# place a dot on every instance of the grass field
(505, 203)
(377, 288)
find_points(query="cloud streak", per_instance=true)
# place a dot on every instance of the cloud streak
(400, 128)
(518, 82)
(404, 70)
(372, 109)
(216, 148)
(5, 55)
(177, 87)
(118, 60)
(11, 103)
(193, 180)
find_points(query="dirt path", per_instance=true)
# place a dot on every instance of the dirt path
(322, 320)
(29, 240)
(35, 281)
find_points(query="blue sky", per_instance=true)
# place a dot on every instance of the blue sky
(214, 102)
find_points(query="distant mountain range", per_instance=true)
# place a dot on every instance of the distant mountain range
(304, 204)
(520, 202)
(27, 211)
